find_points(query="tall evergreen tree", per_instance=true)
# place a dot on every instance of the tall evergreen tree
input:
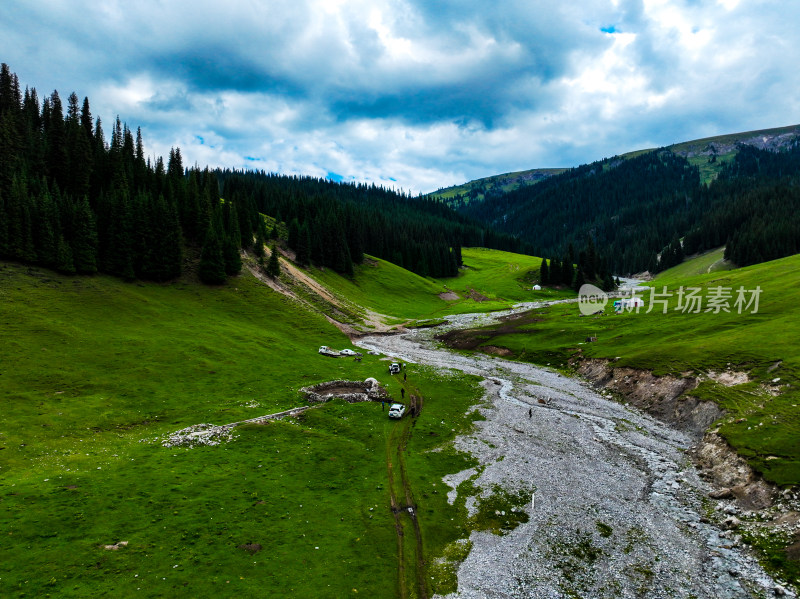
(64, 262)
(212, 261)
(84, 241)
(273, 266)
(303, 252)
(544, 273)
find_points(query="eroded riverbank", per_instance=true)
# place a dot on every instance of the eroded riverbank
(619, 509)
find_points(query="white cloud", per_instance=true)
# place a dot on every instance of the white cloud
(428, 94)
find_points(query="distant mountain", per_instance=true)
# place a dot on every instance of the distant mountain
(645, 209)
(479, 188)
(708, 154)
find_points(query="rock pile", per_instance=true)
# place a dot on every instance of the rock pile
(200, 434)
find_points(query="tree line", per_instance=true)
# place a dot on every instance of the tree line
(73, 200)
(588, 266)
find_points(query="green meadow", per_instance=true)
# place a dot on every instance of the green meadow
(490, 280)
(711, 261)
(95, 372)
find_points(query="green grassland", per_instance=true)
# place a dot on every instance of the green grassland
(711, 261)
(94, 372)
(762, 422)
(385, 288)
(503, 278)
(497, 279)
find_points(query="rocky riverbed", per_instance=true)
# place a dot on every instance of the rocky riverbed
(619, 510)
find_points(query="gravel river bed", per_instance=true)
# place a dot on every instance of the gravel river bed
(618, 509)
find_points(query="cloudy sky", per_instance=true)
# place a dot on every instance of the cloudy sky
(412, 94)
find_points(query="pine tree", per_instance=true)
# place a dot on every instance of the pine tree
(273, 266)
(258, 248)
(84, 240)
(212, 262)
(3, 226)
(608, 283)
(294, 234)
(544, 273)
(303, 253)
(64, 257)
(579, 280)
(555, 271)
(233, 260)
(567, 271)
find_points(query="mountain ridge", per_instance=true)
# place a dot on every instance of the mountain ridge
(696, 151)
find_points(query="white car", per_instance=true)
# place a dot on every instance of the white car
(348, 352)
(396, 410)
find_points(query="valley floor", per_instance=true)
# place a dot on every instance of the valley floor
(616, 510)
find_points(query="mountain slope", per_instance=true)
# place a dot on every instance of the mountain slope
(708, 154)
(636, 207)
(478, 189)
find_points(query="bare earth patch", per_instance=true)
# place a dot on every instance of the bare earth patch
(449, 296)
(496, 351)
(729, 378)
(474, 295)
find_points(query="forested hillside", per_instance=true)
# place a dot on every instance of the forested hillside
(648, 211)
(75, 202)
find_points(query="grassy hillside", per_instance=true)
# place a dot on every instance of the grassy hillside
(503, 278)
(713, 261)
(763, 423)
(489, 280)
(94, 372)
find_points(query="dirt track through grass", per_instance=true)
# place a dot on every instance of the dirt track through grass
(403, 505)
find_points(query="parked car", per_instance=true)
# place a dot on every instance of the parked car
(396, 410)
(327, 351)
(348, 352)
(394, 368)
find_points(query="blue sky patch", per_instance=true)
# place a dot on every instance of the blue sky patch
(334, 177)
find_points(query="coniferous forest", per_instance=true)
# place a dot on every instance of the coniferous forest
(79, 200)
(649, 211)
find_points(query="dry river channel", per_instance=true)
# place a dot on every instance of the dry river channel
(617, 509)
